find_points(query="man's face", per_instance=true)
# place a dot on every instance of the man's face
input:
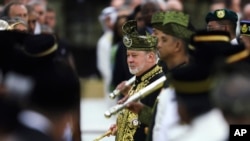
(32, 21)
(246, 41)
(40, 10)
(213, 25)
(140, 21)
(246, 12)
(117, 3)
(166, 44)
(19, 11)
(137, 61)
(50, 19)
(147, 11)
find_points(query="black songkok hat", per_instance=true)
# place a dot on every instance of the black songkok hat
(11, 41)
(36, 51)
(210, 46)
(186, 84)
(192, 90)
(56, 88)
(40, 45)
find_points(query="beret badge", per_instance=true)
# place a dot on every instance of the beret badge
(220, 13)
(244, 28)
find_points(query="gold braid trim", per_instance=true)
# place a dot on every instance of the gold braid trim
(12, 27)
(238, 56)
(192, 87)
(212, 38)
(44, 53)
(156, 70)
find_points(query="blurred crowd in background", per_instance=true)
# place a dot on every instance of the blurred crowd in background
(111, 18)
(78, 19)
(86, 38)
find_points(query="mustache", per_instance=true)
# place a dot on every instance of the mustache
(131, 65)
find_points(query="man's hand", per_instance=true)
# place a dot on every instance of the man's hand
(123, 88)
(113, 129)
(135, 107)
(121, 101)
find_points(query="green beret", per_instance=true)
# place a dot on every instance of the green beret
(177, 24)
(133, 41)
(222, 14)
(245, 28)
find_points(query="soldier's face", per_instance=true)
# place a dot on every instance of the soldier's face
(136, 61)
(246, 41)
(165, 46)
(215, 26)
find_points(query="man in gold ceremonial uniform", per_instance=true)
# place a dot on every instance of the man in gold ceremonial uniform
(142, 62)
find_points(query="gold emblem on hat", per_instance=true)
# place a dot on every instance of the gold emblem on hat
(127, 42)
(244, 28)
(220, 13)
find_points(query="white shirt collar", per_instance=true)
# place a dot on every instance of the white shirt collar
(234, 41)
